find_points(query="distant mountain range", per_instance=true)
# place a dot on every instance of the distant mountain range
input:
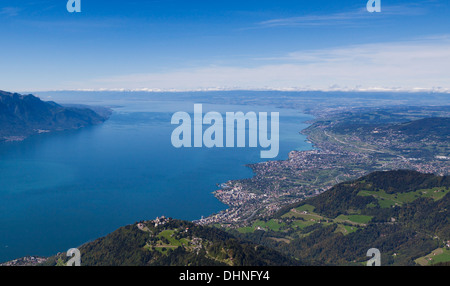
(25, 115)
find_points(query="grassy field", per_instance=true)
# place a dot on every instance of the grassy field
(436, 256)
(167, 241)
(271, 224)
(247, 229)
(356, 219)
(308, 208)
(388, 200)
(345, 229)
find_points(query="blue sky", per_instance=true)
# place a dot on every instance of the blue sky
(195, 45)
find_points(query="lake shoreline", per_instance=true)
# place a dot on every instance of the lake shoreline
(227, 190)
(117, 173)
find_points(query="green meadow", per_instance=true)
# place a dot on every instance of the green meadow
(388, 200)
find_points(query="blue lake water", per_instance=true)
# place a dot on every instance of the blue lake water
(60, 190)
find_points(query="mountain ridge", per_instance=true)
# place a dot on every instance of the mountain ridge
(24, 115)
(171, 242)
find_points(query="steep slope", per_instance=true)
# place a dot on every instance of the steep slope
(173, 243)
(25, 115)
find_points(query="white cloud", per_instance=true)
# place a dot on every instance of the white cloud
(348, 17)
(414, 65)
(9, 11)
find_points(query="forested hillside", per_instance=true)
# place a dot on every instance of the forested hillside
(405, 214)
(169, 242)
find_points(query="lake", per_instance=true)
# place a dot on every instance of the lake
(60, 190)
